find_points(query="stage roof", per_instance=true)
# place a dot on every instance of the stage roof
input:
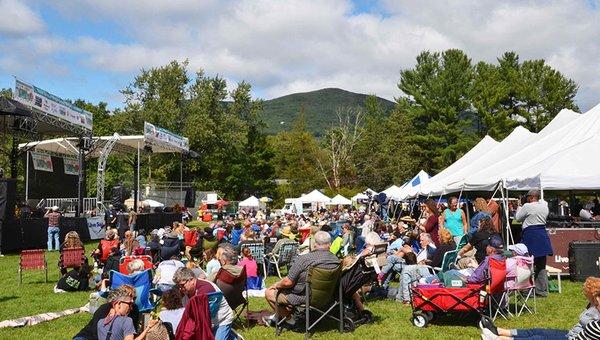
(68, 146)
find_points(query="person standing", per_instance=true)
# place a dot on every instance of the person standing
(132, 219)
(454, 219)
(533, 214)
(53, 216)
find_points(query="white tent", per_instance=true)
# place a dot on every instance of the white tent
(484, 145)
(153, 204)
(413, 187)
(315, 196)
(564, 117)
(359, 196)
(340, 200)
(519, 137)
(523, 169)
(393, 191)
(250, 202)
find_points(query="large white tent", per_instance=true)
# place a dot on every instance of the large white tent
(524, 169)
(439, 180)
(519, 137)
(393, 192)
(363, 195)
(315, 196)
(413, 187)
(340, 200)
(250, 202)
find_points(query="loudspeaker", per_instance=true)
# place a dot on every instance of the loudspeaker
(190, 197)
(118, 196)
(584, 257)
(8, 196)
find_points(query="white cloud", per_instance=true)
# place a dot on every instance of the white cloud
(288, 46)
(18, 19)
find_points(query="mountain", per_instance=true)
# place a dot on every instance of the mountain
(319, 109)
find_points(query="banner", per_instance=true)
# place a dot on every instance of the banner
(42, 162)
(52, 105)
(96, 227)
(71, 166)
(164, 137)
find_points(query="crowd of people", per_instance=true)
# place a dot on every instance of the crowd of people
(186, 261)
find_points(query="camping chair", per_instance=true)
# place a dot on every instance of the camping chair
(32, 259)
(234, 290)
(321, 286)
(448, 262)
(143, 287)
(495, 288)
(72, 258)
(462, 242)
(257, 250)
(125, 260)
(284, 257)
(522, 284)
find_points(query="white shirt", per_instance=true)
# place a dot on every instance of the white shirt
(585, 215)
(166, 270)
(534, 213)
(172, 315)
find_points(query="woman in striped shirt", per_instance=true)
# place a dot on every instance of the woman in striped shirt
(588, 327)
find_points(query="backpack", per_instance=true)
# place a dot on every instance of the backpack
(106, 247)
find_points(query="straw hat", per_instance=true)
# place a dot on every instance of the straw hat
(287, 232)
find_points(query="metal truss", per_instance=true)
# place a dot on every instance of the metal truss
(102, 166)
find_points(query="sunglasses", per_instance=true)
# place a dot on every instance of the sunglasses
(128, 303)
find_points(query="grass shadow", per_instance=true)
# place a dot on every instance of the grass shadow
(8, 298)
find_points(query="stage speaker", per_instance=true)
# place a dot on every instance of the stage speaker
(584, 260)
(190, 197)
(8, 196)
(117, 197)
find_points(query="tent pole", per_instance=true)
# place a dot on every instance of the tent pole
(27, 177)
(181, 180)
(136, 196)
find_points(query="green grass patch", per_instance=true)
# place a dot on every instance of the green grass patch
(392, 319)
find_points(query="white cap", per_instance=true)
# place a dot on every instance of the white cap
(55, 208)
(519, 249)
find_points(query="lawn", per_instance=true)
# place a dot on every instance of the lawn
(392, 319)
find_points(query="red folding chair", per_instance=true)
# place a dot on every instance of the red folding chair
(497, 280)
(235, 291)
(147, 259)
(32, 259)
(72, 258)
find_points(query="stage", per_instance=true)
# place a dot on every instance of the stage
(32, 233)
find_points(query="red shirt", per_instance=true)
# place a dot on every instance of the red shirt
(53, 219)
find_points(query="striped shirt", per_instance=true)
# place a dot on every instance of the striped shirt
(591, 331)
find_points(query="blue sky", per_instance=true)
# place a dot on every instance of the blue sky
(92, 49)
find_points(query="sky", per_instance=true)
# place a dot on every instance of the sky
(91, 49)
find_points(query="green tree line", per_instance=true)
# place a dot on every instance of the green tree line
(446, 103)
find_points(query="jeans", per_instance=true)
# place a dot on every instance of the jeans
(540, 334)
(224, 332)
(53, 232)
(395, 264)
(410, 274)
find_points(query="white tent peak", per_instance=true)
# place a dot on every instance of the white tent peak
(340, 200)
(251, 202)
(315, 196)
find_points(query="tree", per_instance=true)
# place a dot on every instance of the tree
(436, 98)
(335, 163)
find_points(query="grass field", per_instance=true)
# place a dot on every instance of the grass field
(392, 319)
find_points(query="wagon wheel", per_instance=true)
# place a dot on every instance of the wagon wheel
(419, 320)
(368, 316)
(429, 315)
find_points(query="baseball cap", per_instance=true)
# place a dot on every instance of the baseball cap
(519, 249)
(495, 241)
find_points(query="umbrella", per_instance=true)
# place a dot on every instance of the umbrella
(265, 199)
(153, 204)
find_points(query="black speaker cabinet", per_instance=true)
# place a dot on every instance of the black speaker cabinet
(8, 197)
(584, 259)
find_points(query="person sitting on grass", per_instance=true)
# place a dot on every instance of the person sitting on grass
(72, 241)
(587, 328)
(77, 279)
(289, 292)
(90, 331)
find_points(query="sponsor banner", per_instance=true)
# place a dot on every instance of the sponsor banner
(71, 166)
(42, 162)
(164, 137)
(96, 227)
(52, 105)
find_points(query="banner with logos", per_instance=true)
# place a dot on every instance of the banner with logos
(52, 105)
(164, 137)
(42, 162)
(71, 166)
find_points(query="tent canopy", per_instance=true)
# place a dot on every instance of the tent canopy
(393, 191)
(250, 202)
(340, 200)
(315, 196)
(413, 187)
(68, 146)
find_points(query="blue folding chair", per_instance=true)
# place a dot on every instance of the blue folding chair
(142, 282)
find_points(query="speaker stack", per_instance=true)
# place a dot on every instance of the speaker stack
(584, 260)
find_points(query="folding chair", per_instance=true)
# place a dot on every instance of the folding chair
(32, 259)
(257, 250)
(72, 258)
(284, 257)
(448, 262)
(142, 282)
(125, 260)
(522, 284)
(321, 286)
(234, 290)
(497, 281)
(462, 242)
